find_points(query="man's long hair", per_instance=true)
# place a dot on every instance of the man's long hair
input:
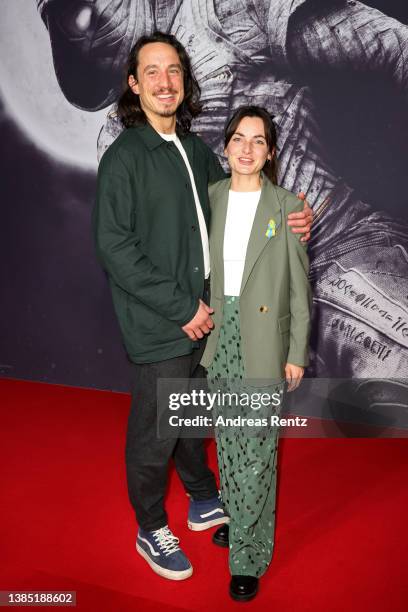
(129, 108)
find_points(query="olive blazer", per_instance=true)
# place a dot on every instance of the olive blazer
(275, 296)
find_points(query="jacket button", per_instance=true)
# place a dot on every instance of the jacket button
(263, 309)
(193, 227)
(196, 269)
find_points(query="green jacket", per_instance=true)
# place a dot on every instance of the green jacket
(275, 295)
(148, 237)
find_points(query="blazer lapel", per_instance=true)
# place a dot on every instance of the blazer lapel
(219, 207)
(268, 209)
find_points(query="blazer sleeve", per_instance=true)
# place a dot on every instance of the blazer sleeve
(300, 293)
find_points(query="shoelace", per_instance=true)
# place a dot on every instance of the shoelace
(166, 541)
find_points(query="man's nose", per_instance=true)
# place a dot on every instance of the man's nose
(165, 80)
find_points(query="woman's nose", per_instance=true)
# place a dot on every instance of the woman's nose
(247, 146)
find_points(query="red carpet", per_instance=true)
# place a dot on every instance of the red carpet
(341, 540)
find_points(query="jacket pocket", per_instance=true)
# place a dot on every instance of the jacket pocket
(284, 324)
(142, 318)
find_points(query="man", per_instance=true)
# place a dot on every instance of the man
(151, 221)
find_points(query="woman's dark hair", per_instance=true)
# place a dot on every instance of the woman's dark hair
(129, 109)
(270, 168)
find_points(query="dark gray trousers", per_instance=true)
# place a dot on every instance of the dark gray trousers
(147, 456)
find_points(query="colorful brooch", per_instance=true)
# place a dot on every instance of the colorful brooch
(271, 229)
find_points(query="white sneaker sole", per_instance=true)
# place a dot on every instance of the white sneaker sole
(208, 524)
(164, 573)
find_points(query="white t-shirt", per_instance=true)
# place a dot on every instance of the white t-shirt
(241, 211)
(201, 221)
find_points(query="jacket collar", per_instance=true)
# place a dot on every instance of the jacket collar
(151, 138)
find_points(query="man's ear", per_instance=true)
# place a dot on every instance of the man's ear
(133, 84)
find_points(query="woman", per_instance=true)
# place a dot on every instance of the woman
(261, 300)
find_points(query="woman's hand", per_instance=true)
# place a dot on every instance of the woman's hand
(294, 375)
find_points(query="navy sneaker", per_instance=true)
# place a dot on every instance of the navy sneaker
(161, 550)
(206, 513)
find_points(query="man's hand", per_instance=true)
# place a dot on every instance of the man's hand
(301, 222)
(201, 323)
(294, 375)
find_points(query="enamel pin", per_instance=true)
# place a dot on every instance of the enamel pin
(271, 229)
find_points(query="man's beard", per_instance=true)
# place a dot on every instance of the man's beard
(169, 113)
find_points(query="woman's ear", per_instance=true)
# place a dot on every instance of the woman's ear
(271, 155)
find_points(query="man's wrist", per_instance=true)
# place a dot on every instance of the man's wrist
(191, 314)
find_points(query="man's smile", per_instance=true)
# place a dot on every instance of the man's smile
(166, 97)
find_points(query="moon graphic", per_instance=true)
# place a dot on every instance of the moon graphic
(31, 94)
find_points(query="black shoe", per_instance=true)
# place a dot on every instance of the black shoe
(221, 536)
(243, 588)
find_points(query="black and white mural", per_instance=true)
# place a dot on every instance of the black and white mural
(334, 73)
